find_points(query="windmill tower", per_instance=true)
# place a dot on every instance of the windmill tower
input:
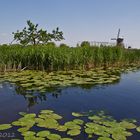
(119, 40)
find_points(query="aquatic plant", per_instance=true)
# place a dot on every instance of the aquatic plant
(51, 58)
(99, 124)
(41, 81)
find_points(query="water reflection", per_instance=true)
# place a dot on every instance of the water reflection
(34, 97)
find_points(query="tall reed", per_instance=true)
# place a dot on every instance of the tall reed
(52, 58)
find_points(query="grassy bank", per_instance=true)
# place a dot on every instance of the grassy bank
(50, 57)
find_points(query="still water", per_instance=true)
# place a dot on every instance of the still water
(121, 100)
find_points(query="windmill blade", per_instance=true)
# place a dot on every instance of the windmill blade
(118, 33)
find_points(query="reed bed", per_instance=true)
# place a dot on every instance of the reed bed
(52, 58)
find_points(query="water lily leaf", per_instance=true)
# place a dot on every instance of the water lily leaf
(138, 129)
(48, 123)
(24, 121)
(104, 138)
(5, 126)
(46, 111)
(39, 120)
(17, 123)
(96, 118)
(43, 133)
(90, 125)
(102, 133)
(89, 130)
(62, 128)
(56, 116)
(33, 138)
(74, 132)
(23, 129)
(126, 133)
(78, 121)
(28, 133)
(90, 135)
(127, 125)
(118, 137)
(22, 113)
(66, 139)
(32, 115)
(77, 114)
(54, 137)
(72, 125)
(130, 120)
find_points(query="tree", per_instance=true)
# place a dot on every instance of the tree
(32, 35)
(85, 44)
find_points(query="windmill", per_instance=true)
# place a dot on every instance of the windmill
(119, 40)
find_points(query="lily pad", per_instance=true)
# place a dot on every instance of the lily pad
(46, 111)
(5, 126)
(54, 137)
(62, 128)
(104, 138)
(66, 139)
(43, 133)
(72, 125)
(74, 132)
(138, 129)
(28, 133)
(77, 114)
(23, 129)
(78, 121)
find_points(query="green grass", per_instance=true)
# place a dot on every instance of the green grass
(52, 58)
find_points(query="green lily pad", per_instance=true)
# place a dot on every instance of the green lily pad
(56, 116)
(46, 111)
(5, 126)
(62, 128)
(28, 133)
(118, 137)
(54, 137)
(33, 138)
(39, 120)
(48, 123)
(104, 138)
(32, 115)
(89, 130)
(66, 139)
(43, 133)
(72, 125)
(76, 114)
(127, 125)
(138, 129)
(78, 121)
(23, 129)
(22, 113)
(74, 132)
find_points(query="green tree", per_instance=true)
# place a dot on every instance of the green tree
(85, 44)
(34, 36)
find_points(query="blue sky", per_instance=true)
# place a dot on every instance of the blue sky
(92, 20)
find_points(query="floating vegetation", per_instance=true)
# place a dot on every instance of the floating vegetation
(5, 126)
(92, 123)
(41, 81)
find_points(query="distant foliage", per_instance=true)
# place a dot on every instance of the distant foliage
(62, 45)
(85, 44)
(34, 36)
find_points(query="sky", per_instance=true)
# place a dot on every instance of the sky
(80, 20)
